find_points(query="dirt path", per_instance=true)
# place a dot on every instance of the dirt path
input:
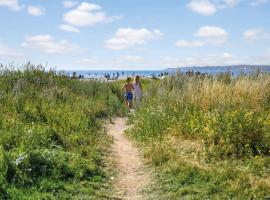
(132, 177)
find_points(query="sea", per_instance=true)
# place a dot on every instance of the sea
(234, 70)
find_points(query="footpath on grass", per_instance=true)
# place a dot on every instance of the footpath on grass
(132, 177)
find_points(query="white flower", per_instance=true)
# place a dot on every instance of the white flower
(20, 159)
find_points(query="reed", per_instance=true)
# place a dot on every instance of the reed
(226, 119)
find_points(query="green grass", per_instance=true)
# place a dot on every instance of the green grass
(207, 138)
(52, 144)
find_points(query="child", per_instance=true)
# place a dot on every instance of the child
(128, 87)
(137, 89)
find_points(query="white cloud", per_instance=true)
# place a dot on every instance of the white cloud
(217, 60)
(227, 55)
(47, 44)
(210, 7)
(202, 60)
(256, 34)
(231, 2)
(263, 59)
(185, 43)
(226, 3)
(258, 2)
(70, 4)
(87, 14)
(88, 61)
(211, 31)
(11, 54)
(132, 58)
(11, 4)
(35, 11)
(127, 37)
(69, 28)
(212, 34)
(203, 7)
(129, 60)
(209, 35)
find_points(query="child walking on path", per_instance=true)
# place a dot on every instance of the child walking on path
(128, 87)
(137, 89)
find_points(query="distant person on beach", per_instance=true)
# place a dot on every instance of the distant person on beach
(137, 89)
(128, 88)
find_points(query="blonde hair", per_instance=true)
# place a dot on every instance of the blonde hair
(137, 79)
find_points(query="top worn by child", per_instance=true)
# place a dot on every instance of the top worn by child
(128, 87)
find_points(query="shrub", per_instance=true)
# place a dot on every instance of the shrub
(50, 131)
(230, 115)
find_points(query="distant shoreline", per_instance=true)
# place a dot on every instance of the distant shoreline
(122, 74)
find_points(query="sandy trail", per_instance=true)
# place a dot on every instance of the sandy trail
(132, 177)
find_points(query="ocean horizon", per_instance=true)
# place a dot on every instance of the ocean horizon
(235, 70)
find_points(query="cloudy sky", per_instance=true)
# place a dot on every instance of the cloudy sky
(134, 34)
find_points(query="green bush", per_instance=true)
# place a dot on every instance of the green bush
(50, 132)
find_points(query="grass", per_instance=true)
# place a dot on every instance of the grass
(52, 144)
(207, 137)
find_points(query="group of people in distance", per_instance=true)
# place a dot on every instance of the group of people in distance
(113, 77)
(197, 73)
(132, 91)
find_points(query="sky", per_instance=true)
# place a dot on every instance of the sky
(134, 34)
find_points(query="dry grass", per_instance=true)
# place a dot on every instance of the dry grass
(208, 137)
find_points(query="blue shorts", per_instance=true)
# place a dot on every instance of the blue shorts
(129, 96)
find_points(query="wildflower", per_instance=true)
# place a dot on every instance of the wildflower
(206, 129)
(20, 159)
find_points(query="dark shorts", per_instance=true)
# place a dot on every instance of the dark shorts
(129, 96)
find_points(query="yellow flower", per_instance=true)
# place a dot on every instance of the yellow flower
(206, 129)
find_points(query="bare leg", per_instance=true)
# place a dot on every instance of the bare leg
(130, 105)
(127, 104)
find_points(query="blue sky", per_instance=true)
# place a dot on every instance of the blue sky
(134, 34)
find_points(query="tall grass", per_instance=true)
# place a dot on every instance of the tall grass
(199, 122)
(52, 145)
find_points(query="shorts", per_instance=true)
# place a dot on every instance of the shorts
(129, 96)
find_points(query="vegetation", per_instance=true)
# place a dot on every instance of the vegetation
(207, 137)
(52, 145)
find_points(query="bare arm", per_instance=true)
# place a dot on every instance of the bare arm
(123, 87)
